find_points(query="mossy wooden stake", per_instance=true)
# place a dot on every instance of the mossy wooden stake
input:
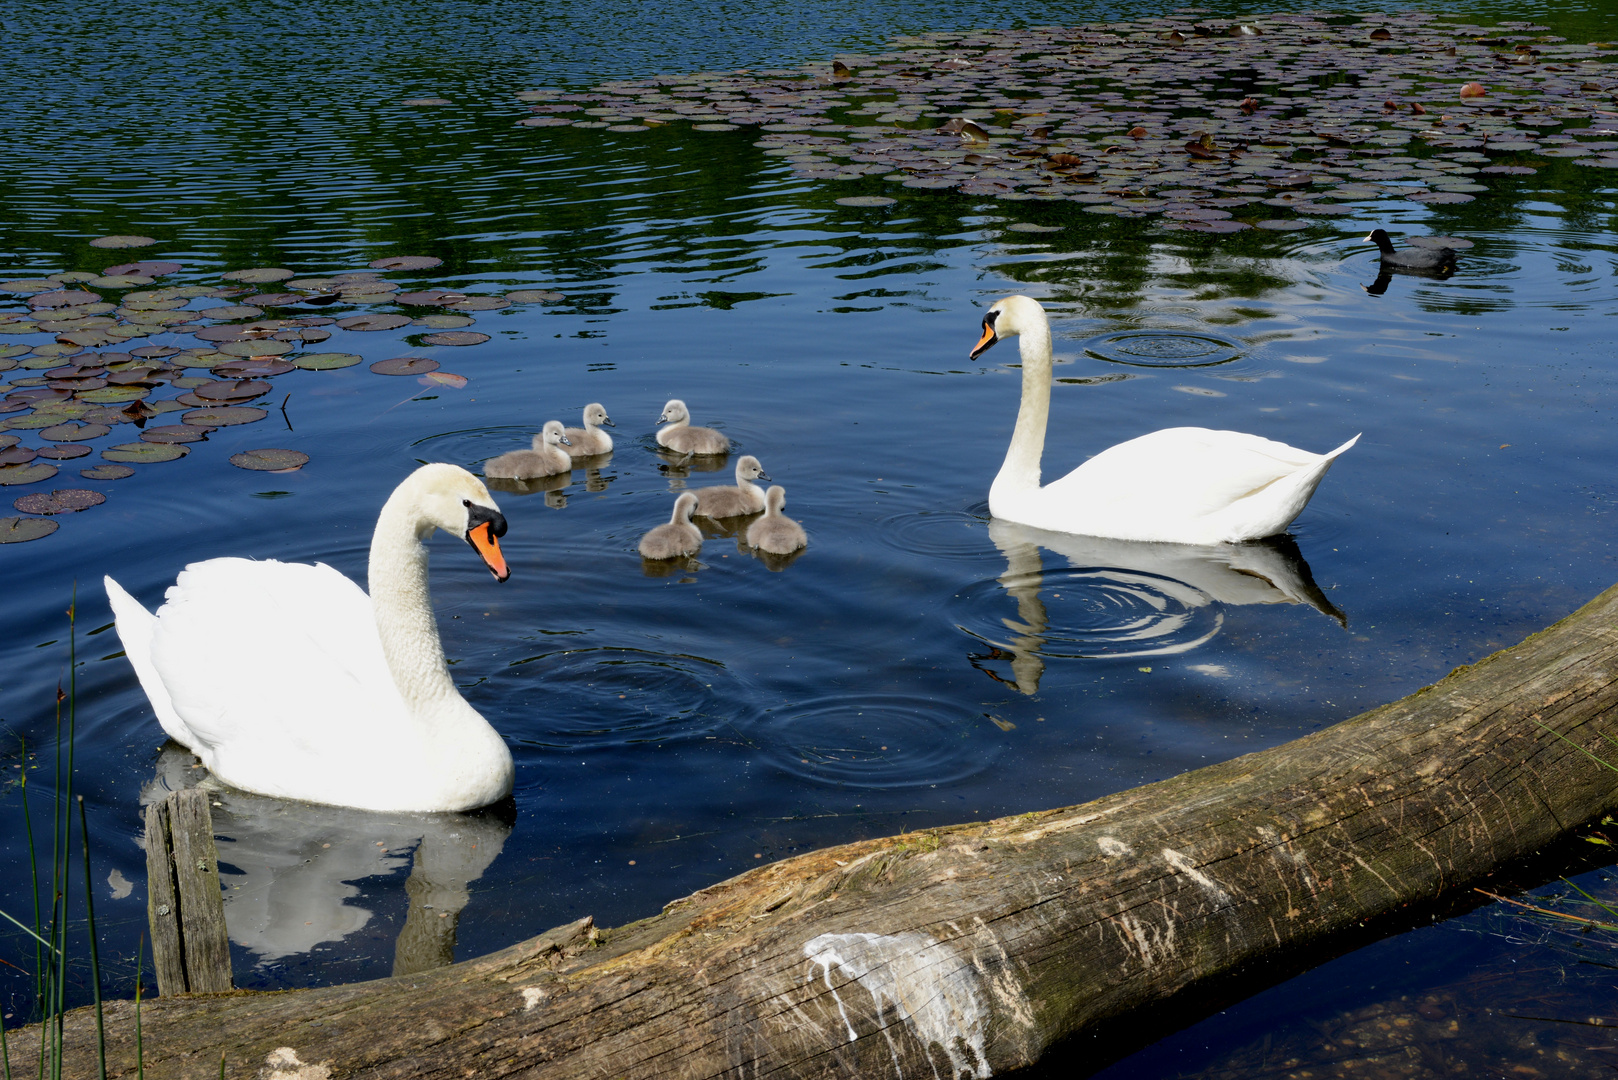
(973, 949)
(183, 903)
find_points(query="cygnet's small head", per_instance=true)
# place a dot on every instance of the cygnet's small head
(1008, 317)
(775, 499)
(595, 414)
(674, 412)
(748, 468)
(554, 435)
(684, 506)
(456, 501)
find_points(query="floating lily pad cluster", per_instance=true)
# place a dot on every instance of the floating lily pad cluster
(1206, 122)
(84, 354)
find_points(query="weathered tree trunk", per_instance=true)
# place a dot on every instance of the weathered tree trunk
(184, 907)
(970, 950)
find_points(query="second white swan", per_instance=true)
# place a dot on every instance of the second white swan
(1182, 485)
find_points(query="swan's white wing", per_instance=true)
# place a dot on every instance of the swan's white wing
(270, 663)
(135, 628)
(1185, 472)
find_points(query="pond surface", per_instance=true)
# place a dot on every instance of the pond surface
(918, 664)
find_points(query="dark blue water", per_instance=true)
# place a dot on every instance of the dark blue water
(673, 731)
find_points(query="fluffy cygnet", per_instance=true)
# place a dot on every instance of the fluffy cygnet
(590, 440)
(743, 498)
(775, 532)
(681, 436)
(678, 537)
(547, 458)
(1411, 258)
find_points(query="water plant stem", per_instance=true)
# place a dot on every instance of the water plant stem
(95, 951)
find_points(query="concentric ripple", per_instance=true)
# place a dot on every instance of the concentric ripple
(877, 740)
(946, 534)
(616, 697)
(477, 445)
(1088, 613)
(1163, 348)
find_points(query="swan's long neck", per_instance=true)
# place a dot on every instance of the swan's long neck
(1020, 470)
(404, 614)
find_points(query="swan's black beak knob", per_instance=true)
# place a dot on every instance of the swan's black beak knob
(484, 527)
(987, 341)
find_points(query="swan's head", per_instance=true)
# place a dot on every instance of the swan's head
(674, 412)
(748, 468)
(553, 434)
(595, 414)
(775, 499)
(1007, 318)
(684, 506)
(449, 497)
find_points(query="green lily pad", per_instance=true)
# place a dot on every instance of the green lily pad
(15, 530)
(327, 361)
(258, 275)
(175, 433)
(64, 451)
(107, 472)
(455, 337)
(32, 473)
(270, 460)
(74, 432)
(27, 285)
(261, 347)
(109, 394)
(481, 303)
(67, 501)
(224, 416)
(231, 311)
(122, 242)
(8, 351)
(144, 453)
(383, 321)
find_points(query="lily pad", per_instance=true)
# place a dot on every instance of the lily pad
(270, 460)
(225, 415)
(383, 321)
(65, 501)
(1440, 198)
(144, 453)
(327, 361)
(481, 303)
(144, 269)
(74, 432)
(64, 451)
(231, 311)
(252, 367)
(535, 296)
(258, 275)
(866, 200)
(406, 262)
(1030, 227)
(175, 433)
(122, 242)
(62, 298)
(405, 365)
(32, 473)
(443, 378)
(17, 455)
(111, 394)
(274, 299)
(154, 352)
(443, 322)
(15, 530)
(232, 390)
(455, 337)
(429, 298)
(261, 347)
(107, 472)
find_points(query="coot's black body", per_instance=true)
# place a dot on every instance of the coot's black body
(1433, 260)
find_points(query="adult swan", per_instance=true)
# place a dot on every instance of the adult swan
(351, 703)
(1179, 485)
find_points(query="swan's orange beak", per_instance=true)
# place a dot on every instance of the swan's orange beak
(984, 342)
(483, 540)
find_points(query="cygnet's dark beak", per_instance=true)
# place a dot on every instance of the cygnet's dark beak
(762, 475)
(566, 441)
(987, 341)
(608, 421)
(484, 527)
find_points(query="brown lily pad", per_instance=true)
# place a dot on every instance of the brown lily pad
(107, 472)
(443, 322)
(327, 361)
(232, 390)
(1440, 198)
(443, 378)
(16, 530)
(108, 395)
(144, 453)
(455, 337)
(405, 365)
(65, 501)
(64, 451)
(406, 262)
(429, 298)
(143, 269)
(22, 455)
(270, 460)
(32, 473)
(258, 347)
(224, 416)
(867, 200)
(383, 321)
(481, 303)
(122, 242)
(535, 296)
(259, 275)
(62, 298)
(274, 299)
(253, 367)
(175, 433)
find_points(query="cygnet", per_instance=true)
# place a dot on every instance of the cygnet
(590, 440)
(681, 436)
(775, 532)
(744, 498)
(547, 458)
(1411, 258)
(678, 537)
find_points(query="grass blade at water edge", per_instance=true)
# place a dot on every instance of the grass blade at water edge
(95, 951)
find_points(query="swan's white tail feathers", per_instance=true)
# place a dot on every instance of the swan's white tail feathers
(136, 627)
(1346, 446)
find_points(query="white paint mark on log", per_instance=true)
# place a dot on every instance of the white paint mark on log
(531, 996)
(1189, 869)
(926, 982)
(1111, 845)
(283, 1064)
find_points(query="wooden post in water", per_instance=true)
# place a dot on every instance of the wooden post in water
(183, 902)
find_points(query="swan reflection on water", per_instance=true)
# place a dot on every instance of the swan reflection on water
(289, 868)
(1134, 599)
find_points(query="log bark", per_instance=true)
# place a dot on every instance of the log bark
(970, 950)
(184, 905)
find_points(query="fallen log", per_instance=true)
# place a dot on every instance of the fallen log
(970, 950)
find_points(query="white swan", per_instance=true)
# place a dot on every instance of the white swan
(1179, 485)
(287, 680)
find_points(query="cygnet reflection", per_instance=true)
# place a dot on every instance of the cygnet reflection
(679, 467)
(288, 868)
(1269, 571)
(554, 487)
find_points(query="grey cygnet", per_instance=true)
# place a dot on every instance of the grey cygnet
(735, 500)
(677, 537)
(775, 532)
(680, 435)
(590, 440)
(547, 458)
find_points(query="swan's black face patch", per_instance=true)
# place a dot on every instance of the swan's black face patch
(989, 338)
(476, 515)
